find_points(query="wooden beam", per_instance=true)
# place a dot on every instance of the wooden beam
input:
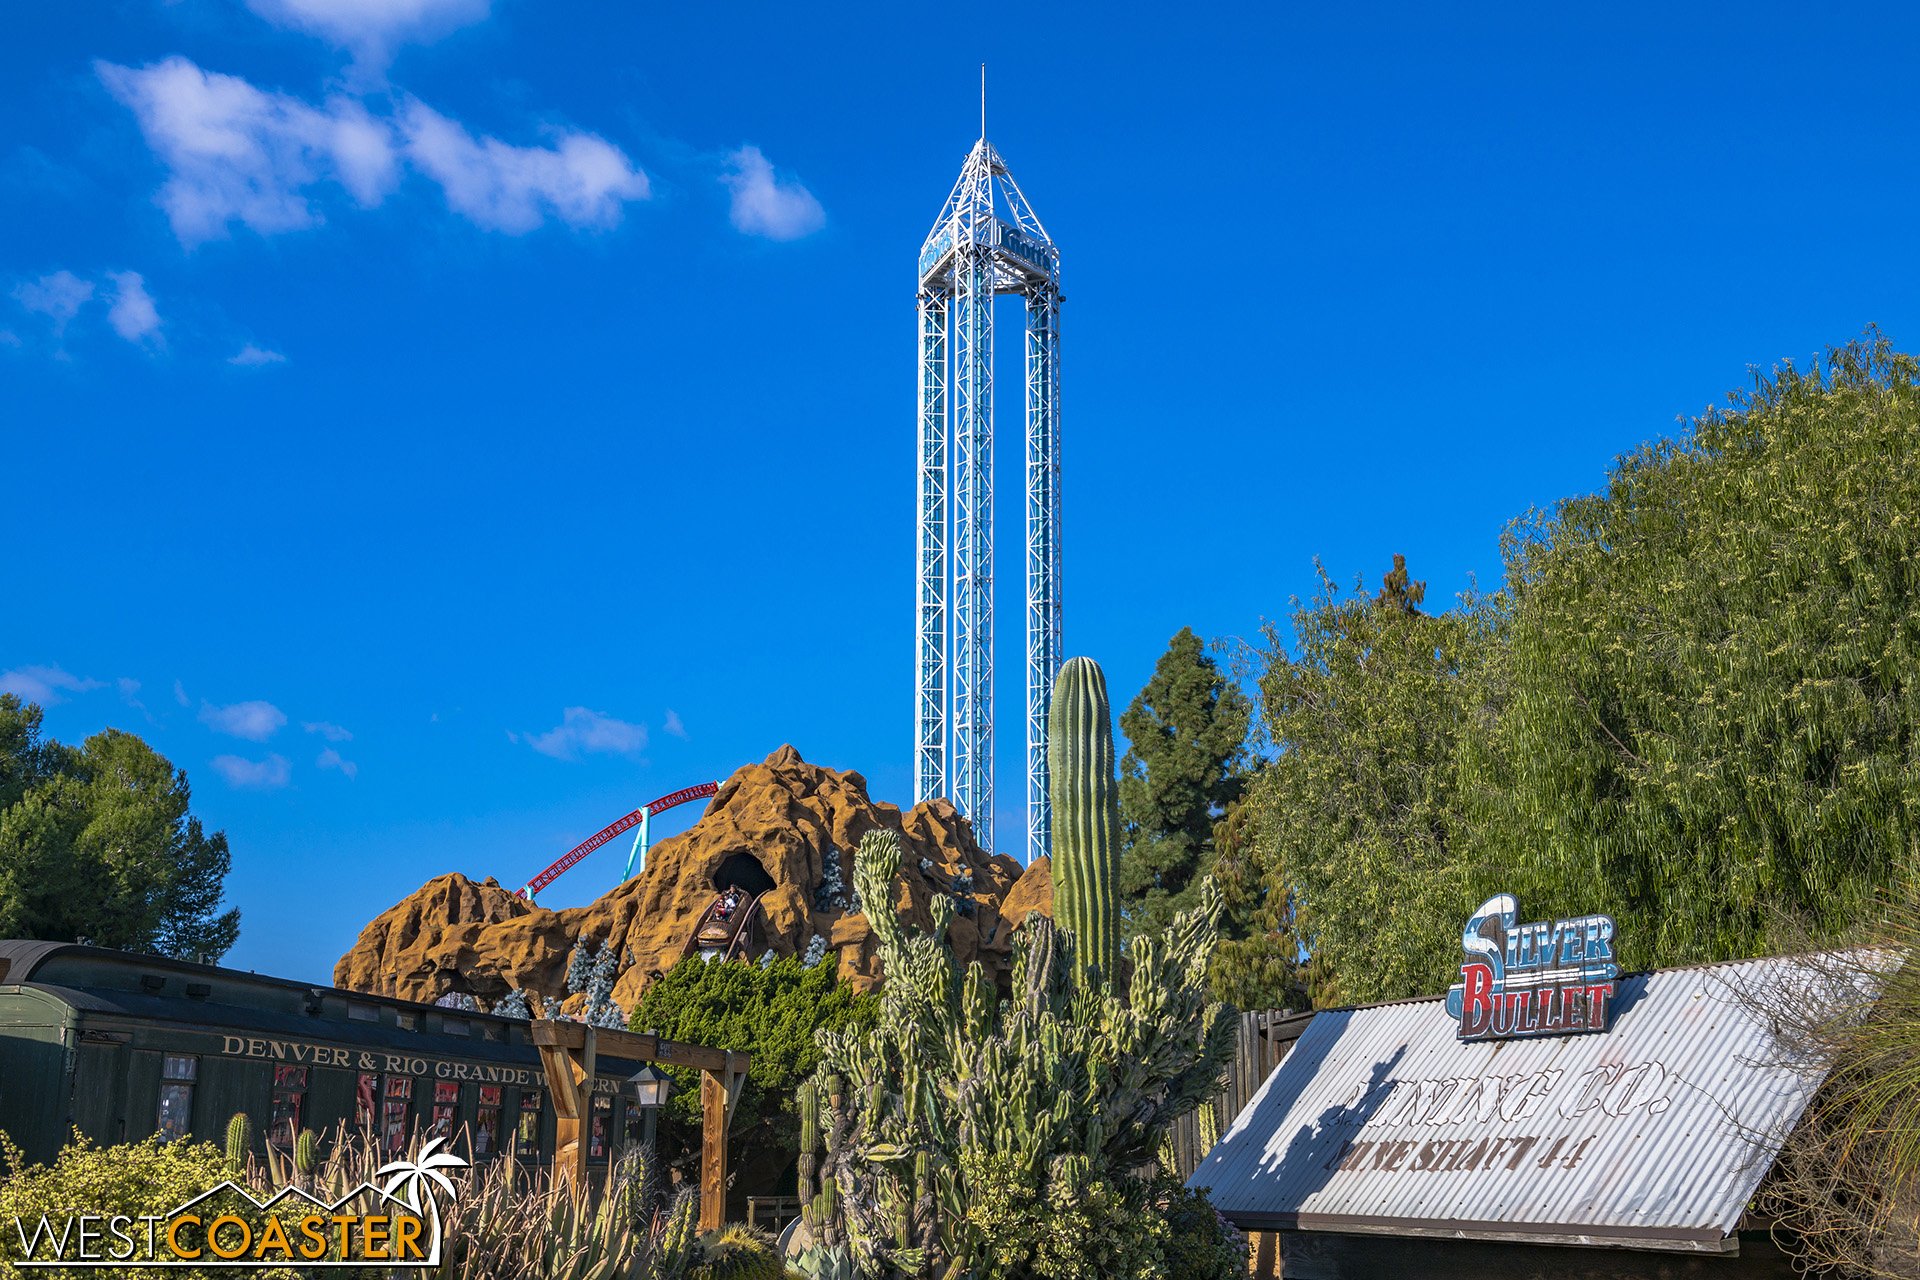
(632, 1046)
(735, 1081)
(558, 1065)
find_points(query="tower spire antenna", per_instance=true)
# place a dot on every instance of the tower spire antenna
(983, 102)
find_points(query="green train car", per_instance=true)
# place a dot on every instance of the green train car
(120, 1046)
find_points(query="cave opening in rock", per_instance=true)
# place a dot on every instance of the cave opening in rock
(742, 871)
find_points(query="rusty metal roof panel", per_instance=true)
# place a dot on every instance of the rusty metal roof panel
(1652, 1134)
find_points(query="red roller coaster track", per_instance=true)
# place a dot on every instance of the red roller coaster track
(702, 792)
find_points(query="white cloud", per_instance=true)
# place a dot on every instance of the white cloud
(180, 694)
(250, 356)
(58, 296)
(764, 204)
(583, 730)
(330, 759)
(328, 730)
(674, 726)
(132, 315)
(236, 153)
(255, 721)
(44, 685)
(8, 338)
(371, 29)
(254, 775)
(581, 179)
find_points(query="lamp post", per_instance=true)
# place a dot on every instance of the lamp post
(650, 1088)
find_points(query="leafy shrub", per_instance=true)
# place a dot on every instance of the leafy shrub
(772, 1013)
(147, 1177)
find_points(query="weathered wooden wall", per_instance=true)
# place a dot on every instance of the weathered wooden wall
(1263, 1039)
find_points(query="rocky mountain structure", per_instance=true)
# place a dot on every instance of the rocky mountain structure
(784, 829)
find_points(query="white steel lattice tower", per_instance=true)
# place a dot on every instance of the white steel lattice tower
(987, 242)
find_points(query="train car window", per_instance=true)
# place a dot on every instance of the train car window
(456, 1026)
(393, 1125)
(177, 1076)
(486, 1125)
(602, 1121)
(289, 1101)
(406, 1021)
(528, 1140)
(446, 1108)
(363, 1013)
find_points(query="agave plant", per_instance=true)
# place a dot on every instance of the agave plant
(508, 1221)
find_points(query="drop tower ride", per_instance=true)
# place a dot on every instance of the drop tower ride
(987, 242)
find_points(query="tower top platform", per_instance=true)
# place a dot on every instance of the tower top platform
(987, 210)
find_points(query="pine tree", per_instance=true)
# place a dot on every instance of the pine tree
(1186, 763)
(98, 841)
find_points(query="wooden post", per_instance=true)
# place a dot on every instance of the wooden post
(1266, 1255)
(569, 1071)
(713, 1151)
(567, 1051)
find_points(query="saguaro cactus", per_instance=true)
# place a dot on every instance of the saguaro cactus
(239, 1138)
(306, 1153)
(1086, 814)
(806, 1101)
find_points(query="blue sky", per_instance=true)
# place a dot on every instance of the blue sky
(374, 390)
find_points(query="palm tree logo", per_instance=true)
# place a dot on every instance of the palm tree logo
(411, 1181)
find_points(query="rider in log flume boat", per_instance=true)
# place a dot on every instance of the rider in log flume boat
(717, 929)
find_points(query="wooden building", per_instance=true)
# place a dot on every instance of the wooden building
(121, 1046)
(1393, 1140)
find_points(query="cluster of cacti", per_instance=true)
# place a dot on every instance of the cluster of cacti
(817, 1099)
(1086, 813)
(239, 1138)
(958, 1105)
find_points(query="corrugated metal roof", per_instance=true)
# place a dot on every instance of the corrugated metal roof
(1653, 1134)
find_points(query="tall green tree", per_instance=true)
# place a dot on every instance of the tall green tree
(97, 842)
(1186, 764)
(1257, 963)
(1694, 705)
(1715, 673)
(1359, 821)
